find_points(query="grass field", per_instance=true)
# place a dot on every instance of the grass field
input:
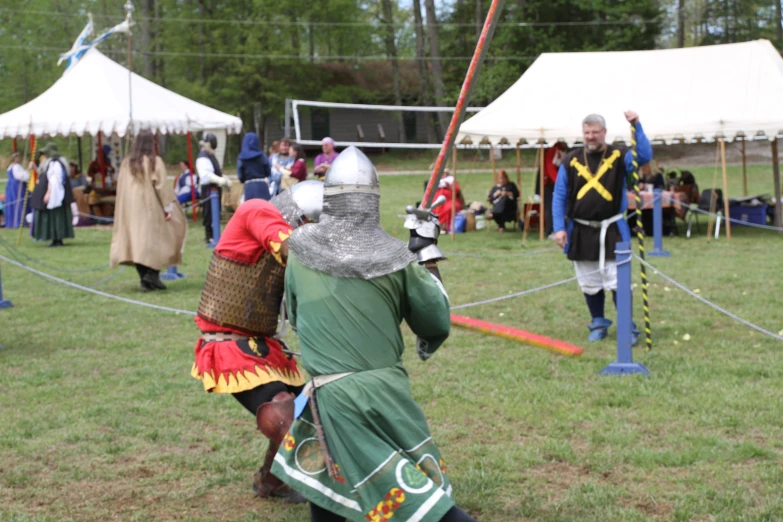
(100, 419)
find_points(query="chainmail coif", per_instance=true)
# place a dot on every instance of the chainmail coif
(348, 241)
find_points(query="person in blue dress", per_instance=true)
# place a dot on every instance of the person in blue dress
(15, 192)
(253, 169)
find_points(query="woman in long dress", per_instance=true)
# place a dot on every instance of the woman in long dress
(51, 199)
(149, 225)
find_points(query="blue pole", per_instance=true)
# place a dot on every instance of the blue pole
(658, 225)
(4, 303)
(172, 274)
(214, 203)
(624, 363)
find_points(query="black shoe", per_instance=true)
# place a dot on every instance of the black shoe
(56, 243)
(152, 279)
(146, 287)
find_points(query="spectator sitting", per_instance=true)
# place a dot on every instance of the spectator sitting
(652, 176)
(687, 185)
(94, 170)
(253, 169)
(77, 178)
(280, 161)
(298, 169)
(184, 184)
(323, 160)
(503, 199)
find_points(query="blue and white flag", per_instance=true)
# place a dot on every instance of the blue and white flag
(79, 47)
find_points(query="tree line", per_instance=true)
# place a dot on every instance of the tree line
(244, 55)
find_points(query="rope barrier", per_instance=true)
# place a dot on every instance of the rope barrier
(709, 303)
(531, 290)
(12, 248)
(92, 290)
(179, 311)
(115, 274)
(713, 214)
(511, 254)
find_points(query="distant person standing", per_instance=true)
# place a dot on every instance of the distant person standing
(281, 161)
(149, 225)
(326, 158)
(253, 169)
(15, 193)
(184, 184)
(211, 179)
(51, 199)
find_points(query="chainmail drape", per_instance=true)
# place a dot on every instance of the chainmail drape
(348, 241)
(285, 204)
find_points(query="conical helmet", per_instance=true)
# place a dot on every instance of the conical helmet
(352, 171)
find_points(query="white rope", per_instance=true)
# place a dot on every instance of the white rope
(708, 303)
(533, 290)
(94, 291)
(713, 214)
(509, 254)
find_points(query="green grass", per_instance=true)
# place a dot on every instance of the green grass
(100, 419)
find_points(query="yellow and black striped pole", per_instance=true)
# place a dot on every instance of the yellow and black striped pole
(640, 235)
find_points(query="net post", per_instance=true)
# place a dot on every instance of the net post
(658, 250)
(624, 364)
(287, 117)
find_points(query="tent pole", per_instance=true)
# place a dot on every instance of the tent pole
(192, 181)
(744, 169)
(101, 162)
(129, 10)
(726, 187)
(453, 192)
(30, 187)
(14, 145)
(776, 177)
(519, 181)
(526, 217)
(79, 146)
(542, 206)
(492, 153)
(713, 195)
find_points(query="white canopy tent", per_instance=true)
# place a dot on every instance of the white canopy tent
(92, 97)
(680, 94)
(697, 93)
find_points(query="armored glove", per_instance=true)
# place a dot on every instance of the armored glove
(425, 230)
(225, 182)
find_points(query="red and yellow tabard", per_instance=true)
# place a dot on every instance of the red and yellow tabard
(252, 237)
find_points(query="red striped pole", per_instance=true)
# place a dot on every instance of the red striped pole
(515, 334)
(493, 15)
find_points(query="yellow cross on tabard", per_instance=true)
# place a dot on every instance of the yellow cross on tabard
(593, 181)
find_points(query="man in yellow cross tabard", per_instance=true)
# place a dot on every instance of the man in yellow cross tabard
(588, 211)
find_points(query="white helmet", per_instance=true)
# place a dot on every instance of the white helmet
(309, 197)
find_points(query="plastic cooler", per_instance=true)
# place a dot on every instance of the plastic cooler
(756, 214)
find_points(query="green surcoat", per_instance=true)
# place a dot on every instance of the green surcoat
(376, 433)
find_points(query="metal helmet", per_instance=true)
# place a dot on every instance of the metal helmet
(309, 197)
(352, 171)
(211, 139)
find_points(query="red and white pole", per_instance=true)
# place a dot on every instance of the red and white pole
(493, 15)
